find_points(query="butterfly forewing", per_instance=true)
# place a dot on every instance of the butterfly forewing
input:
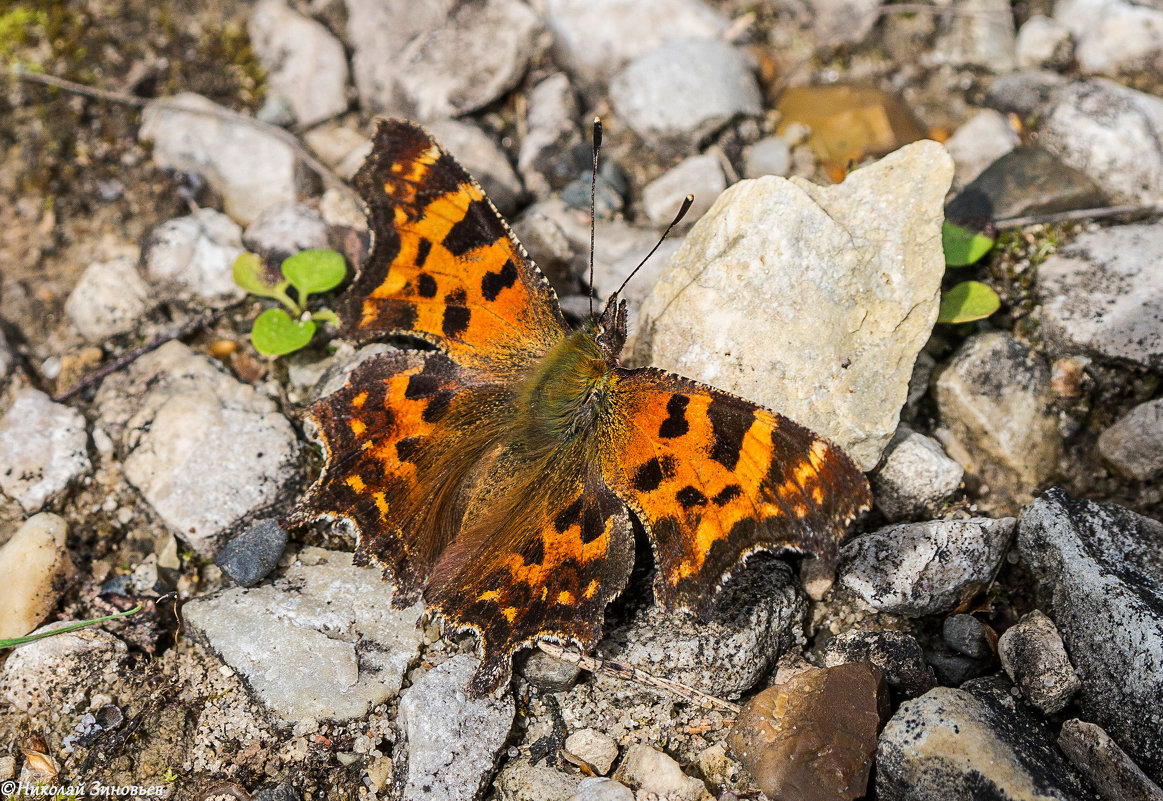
(444, 266)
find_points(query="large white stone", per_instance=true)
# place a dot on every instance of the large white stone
(813, 301)
(1114, 36)
(249, 167)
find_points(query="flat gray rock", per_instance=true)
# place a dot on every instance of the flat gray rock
(701, 176)
(376, 28)
(1110, 132)
(976, 741)
(305, 63)
(675, 108)
(204, 450)
(48, 675)
(321, 642)
(918, 569)
(249, 167)
(192, 258)
(761, 299)
(43, 447)
(994, 400)
(979, 142)
(981, 35)
(596, 38)
(452, 738)
(1101, 567)
(548, 158)
(1103, 295)
(1134, 444)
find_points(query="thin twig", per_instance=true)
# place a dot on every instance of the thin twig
(628, 673)
(289, 139)
(184, 330)
(1080, 214)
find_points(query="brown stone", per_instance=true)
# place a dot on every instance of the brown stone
(849, 122)
(813, 738)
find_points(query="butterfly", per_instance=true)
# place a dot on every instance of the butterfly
(496, 473)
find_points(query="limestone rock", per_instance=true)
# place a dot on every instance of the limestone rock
(43, 447)
(110, 299)
(813, 301)
(1032, 654)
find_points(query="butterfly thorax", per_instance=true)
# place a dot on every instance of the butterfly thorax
(567, 390)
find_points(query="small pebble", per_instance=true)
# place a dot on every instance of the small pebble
(254, 553)
(1033, 655)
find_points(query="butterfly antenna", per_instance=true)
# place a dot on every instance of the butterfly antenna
(686, 205)
(593, 203)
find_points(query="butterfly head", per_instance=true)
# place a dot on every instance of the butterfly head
(609, 328)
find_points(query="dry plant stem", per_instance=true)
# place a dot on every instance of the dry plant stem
(1079, 214)
(627, 673)
(184, 330)
(318, 167)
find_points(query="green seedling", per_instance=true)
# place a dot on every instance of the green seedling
(12, 642)
(968, 300)
(280, 331)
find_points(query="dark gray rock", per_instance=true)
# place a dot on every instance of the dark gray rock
(547, 672)
(975, 742)
(552, 151)
(920, 569)
(1106, 767)
(965, 634)
(1101, 568)
(1032, 654)
(253, 554)
(754, 620)
(953, 668)
(1024, 92)
(897, 654)
(1027, 180)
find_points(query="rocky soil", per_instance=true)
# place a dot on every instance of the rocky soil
(994, 628)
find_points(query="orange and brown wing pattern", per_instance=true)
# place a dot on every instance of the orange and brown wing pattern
(393, 453)
(714, 478)
(545, 573)
(444, 266)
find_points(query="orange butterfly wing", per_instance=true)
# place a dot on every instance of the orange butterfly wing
(714, 478)
(444, 266)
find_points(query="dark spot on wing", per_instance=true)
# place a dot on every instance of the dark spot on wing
(727, 494)
(406, 448)
(690, 497)
(473, 230)
(728, 426)
(567, 516)
(426, 287)
(422, 251)
(675, 425)
(493, 283)
(592, 525)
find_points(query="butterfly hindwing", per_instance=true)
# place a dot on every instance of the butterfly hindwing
(394, 453)
(714, 477)
(444, 266)
(546, 570)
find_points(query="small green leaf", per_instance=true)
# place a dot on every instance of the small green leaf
(312, 271)
(250, 275)
(275, 333)
(962, 246)
(968, 301)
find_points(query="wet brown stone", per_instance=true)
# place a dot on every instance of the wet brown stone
(813, 738)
